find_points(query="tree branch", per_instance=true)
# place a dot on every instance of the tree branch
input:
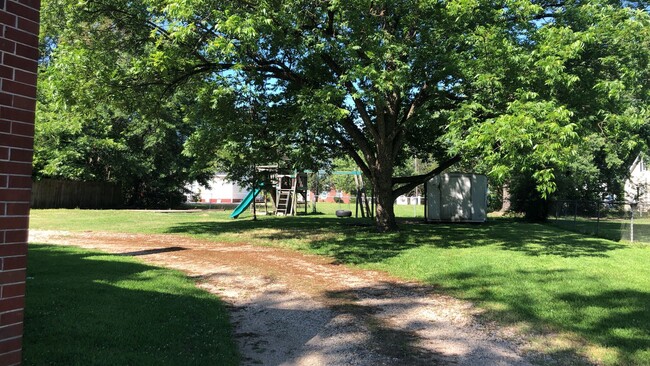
(197, 69)
(279, 69)
(111, 8)
(416, 180)
(361, 108)
(358, 137)
(398, 142)
(329, 31)
(349, 148)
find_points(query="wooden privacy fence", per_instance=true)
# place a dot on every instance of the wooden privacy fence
(50, 193)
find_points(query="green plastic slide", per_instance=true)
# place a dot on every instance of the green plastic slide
(250, 197)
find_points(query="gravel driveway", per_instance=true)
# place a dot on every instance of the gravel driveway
(290, 308)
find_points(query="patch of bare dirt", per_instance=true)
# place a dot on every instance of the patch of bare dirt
(290, 308)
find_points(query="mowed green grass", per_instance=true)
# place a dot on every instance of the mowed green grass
(592, 295)
(89, 308)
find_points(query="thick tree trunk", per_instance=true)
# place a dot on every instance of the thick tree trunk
(384, 211)
(383, 185)
(385, 195)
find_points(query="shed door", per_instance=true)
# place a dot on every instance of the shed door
(433, 199)
(456, 197)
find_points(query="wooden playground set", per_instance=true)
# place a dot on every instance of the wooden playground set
(288, 191)
(449, 197)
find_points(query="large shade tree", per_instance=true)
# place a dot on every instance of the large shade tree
(513, 85)
(92, 124)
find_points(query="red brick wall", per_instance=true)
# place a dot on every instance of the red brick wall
(19, 22)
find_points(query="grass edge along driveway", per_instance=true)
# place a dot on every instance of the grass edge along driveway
(90, 308)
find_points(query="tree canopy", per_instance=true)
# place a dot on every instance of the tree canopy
(513, 86)
(94, 125)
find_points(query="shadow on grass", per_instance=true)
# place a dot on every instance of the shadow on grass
(86, 308)
(618, 320)
(353, 241)
(626, 327)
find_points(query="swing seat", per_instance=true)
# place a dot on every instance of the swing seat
(343, 213)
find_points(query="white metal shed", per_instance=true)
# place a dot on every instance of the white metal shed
(457, 197)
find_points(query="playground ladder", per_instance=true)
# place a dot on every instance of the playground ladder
(287, 199)
(362, 198)
(283, 206)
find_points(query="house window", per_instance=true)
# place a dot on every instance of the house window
(642, 165)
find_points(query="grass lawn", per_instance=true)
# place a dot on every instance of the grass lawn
(593, 294)
(88, 308)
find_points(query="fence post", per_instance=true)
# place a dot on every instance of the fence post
(597, 217)
(575, 215)
(632, 222)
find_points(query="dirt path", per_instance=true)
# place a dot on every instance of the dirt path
(290, 308)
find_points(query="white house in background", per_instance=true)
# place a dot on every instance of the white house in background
(219, 190)
(409, 200)
(637, 185)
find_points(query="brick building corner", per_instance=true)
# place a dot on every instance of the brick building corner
(19, 26)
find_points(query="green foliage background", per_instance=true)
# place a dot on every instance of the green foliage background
(158, 92)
